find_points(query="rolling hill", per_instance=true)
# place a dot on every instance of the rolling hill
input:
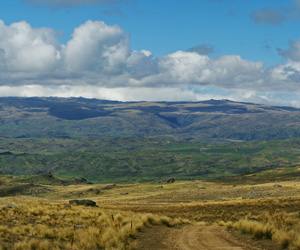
(213, 120)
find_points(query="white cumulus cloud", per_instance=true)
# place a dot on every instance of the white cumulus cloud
(23, 48)
(98, 62)
(96, 46)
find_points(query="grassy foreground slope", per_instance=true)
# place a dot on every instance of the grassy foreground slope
(131, 159)
(267, 211)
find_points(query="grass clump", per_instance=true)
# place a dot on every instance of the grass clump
(45, 225)
(282, 228)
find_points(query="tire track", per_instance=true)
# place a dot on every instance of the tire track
(201, 238)
(190, 238)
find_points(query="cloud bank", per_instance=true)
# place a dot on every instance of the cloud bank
(98, 62)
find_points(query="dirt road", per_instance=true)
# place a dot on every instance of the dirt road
(190, 238)
(201, 238)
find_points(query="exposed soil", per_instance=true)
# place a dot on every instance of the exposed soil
(196, 238)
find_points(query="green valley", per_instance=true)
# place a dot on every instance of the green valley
(132, 159)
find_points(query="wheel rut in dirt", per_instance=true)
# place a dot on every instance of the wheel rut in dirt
(201, 238)
(190, 238)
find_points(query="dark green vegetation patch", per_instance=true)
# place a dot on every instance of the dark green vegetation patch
(131, 159)
(106, 141)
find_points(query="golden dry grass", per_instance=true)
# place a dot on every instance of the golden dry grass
(50, 223)
(281, 227)
(39, 224)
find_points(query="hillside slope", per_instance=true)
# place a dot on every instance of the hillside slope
(208, 120)
(129, 159)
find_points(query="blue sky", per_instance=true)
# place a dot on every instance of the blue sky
(159, 50)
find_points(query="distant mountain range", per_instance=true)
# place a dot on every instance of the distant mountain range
(211, 120)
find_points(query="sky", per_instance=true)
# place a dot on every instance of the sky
(158, 50)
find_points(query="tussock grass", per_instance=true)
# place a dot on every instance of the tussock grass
(257, 229)
(51, 224)
(43, 225)
(281, 227)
